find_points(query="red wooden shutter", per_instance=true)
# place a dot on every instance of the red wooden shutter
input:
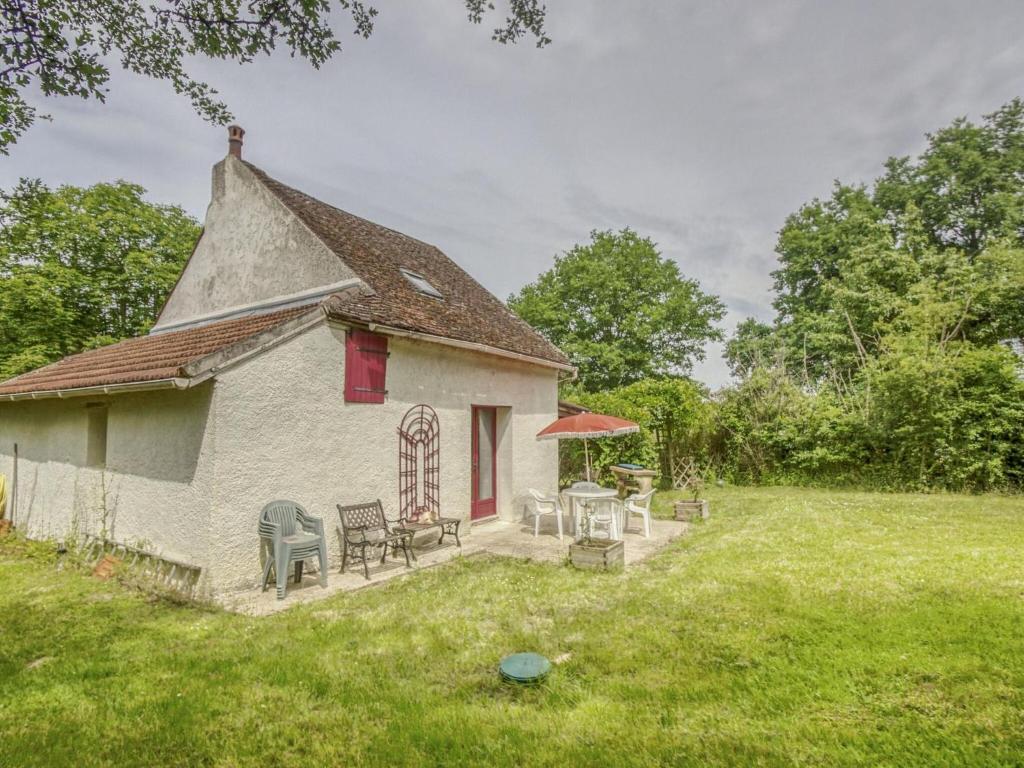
(366, 367)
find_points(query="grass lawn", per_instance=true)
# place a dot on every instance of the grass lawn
(794, 627)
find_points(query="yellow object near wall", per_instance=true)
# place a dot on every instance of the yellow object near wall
(3, 496)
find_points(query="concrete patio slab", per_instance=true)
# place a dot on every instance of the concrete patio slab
(497, 537)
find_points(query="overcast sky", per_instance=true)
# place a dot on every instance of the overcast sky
(699, 124)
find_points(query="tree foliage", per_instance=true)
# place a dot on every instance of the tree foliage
(82, 267)
(753, 345)
(675, 419)
(620, 311)
(919, 415)
(951, 219)
(890, 361)
(59, 47)
(944, 416)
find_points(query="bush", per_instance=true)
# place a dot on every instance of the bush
(950, 418)
(918, 416)
(772, 431)
(675, 419)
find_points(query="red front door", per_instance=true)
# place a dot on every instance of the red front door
(484, 458)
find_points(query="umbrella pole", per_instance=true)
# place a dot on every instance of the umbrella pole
(586, 452)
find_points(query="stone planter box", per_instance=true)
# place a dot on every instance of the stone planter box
(598, 554)
(688, 511)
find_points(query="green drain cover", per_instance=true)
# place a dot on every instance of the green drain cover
(524, 667)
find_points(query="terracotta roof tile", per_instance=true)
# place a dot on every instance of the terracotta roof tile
(468, 312)
(147, 358)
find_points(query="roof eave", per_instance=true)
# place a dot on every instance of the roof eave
(472, 346)
(177, 382)
(195, 372)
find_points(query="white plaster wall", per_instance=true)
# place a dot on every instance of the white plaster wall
(187, 472)
(157, 485)
(252, 248)
(51, 438)
(284, 430)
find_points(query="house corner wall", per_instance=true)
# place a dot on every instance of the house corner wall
(284, 430)
(154, 491)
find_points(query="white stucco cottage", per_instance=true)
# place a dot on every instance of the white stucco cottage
(281, 366)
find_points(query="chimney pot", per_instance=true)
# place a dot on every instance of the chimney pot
(235, 134)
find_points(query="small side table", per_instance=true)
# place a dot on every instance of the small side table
(449, 526)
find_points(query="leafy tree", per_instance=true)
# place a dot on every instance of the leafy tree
(955, 215)
(754, 344)
(966, 183)
(58, 46)
(816, 248)
(895, 304)
(82, 267)
(773, 431)
(620, 311)
(924, 406)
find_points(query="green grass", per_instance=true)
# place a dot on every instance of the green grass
(794, 627)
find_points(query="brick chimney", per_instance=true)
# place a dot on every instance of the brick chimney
(235, 134)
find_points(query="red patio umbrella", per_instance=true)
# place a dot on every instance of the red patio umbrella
(585, 426)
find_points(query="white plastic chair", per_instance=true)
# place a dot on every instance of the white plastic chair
(545, 505)
(605, 514)
(640, 504)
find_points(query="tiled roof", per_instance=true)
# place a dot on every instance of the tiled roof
(468, 312)
(148, 358)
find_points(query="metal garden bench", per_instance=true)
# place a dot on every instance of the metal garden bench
(364, 526)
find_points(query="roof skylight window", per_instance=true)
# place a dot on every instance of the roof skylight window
(421, 284)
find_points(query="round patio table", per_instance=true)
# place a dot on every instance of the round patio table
(576, 495)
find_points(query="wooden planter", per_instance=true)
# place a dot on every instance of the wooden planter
(688, 511)
(5, 528)
(598, 554)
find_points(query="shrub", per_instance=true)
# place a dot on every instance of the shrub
(675, 419)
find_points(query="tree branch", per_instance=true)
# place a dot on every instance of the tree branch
(960, 323)
(861, 352)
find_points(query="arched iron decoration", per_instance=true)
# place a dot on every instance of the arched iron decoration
(419, 465)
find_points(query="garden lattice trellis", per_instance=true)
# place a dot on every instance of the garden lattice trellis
(687, 474)
(419, 464)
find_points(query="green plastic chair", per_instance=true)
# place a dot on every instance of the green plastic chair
(290, 535)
